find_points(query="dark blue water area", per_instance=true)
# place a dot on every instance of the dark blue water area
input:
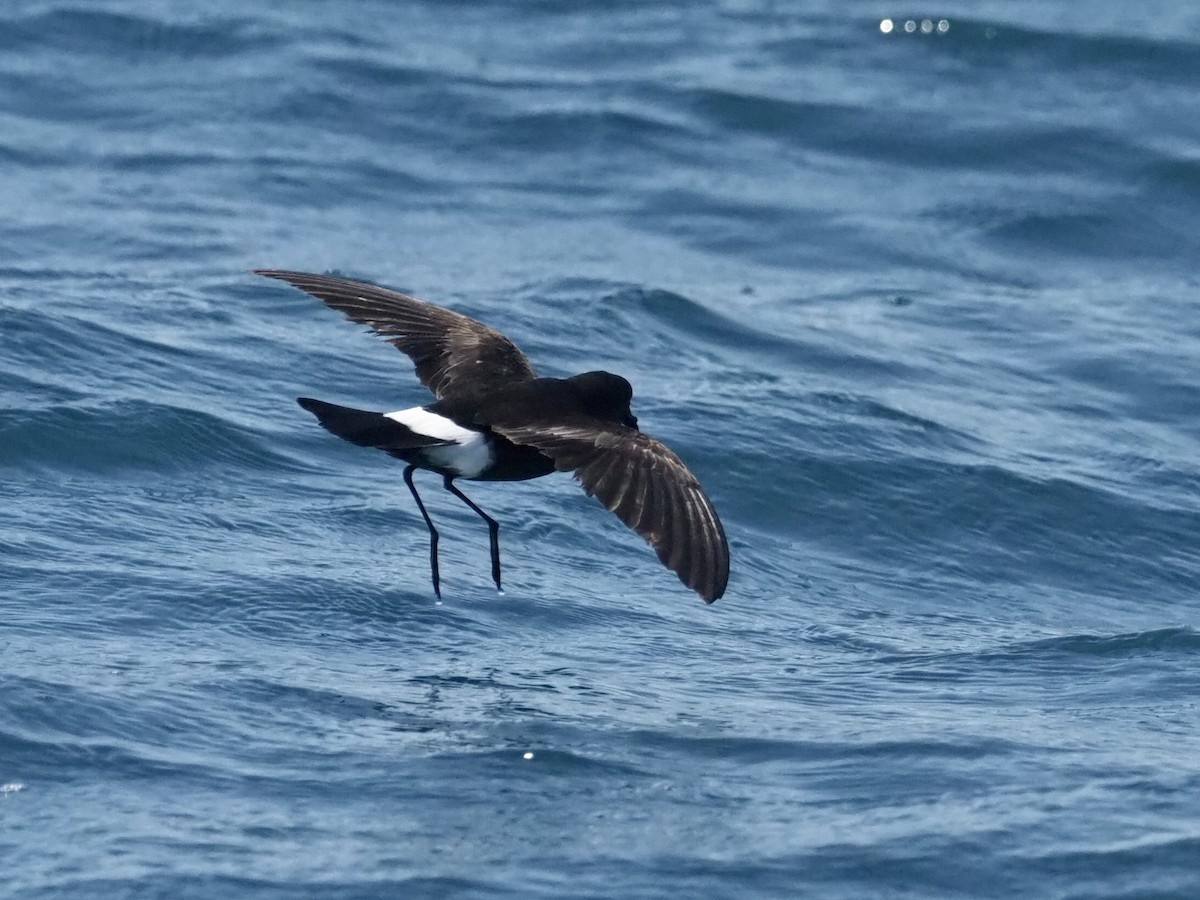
(920, 308)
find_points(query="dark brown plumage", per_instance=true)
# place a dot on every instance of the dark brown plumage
(454, 356)
(486, 386)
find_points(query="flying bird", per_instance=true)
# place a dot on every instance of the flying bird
(494, 419)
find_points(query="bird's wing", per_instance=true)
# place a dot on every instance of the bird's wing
(455, 356)
(646, 485)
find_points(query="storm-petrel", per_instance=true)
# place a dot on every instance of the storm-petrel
(495, 420)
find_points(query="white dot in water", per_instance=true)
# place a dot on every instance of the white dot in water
(886, 26)
(910, 26)
(11, 788)
(943, 26)
(927, 26)
(528, 755)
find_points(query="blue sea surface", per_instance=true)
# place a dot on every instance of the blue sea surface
(919, 305)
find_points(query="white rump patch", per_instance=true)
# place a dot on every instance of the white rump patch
(468, 454)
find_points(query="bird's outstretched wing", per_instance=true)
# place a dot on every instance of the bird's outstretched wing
(646, 485)
(455, 356)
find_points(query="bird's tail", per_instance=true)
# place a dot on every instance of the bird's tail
(367, 429)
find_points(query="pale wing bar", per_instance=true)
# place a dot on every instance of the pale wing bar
(648, 487)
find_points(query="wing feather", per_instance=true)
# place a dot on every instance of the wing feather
(646, 485)
(455, 356)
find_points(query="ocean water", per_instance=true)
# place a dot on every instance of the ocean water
(921, 308)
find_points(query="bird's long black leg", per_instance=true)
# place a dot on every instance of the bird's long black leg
(433, 534)
(493, 527)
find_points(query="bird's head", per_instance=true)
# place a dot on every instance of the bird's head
(606, 396)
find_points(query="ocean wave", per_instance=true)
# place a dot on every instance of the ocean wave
(105, 33)
(130, 436)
